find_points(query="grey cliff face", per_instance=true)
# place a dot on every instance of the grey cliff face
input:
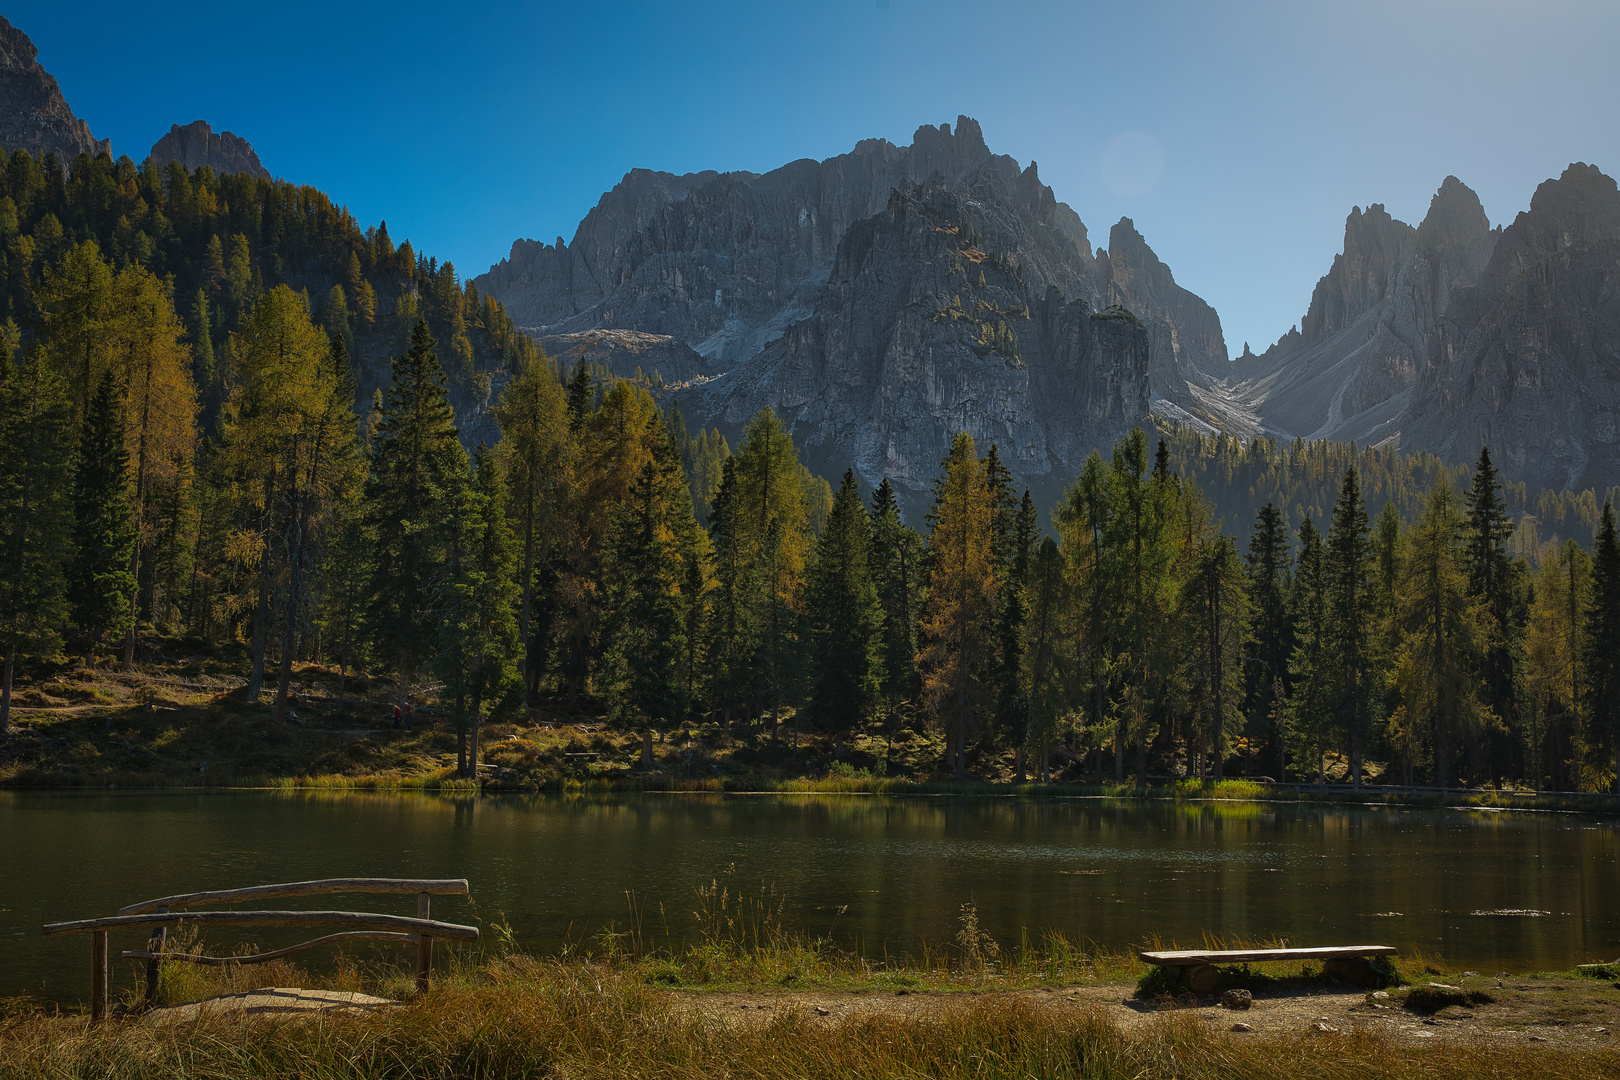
(761, 277)
(1347, 371)
(33, 114)
(940, 315)
(196, 145)
(1526, 359)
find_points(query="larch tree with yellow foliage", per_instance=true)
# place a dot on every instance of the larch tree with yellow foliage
(958, 623)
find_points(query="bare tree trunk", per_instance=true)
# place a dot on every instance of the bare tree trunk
(261, 629)
(477, 733)
(284, 676)
(5, 691)
(403, 689)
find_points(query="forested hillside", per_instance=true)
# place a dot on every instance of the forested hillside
(216, 243)
(199, 476)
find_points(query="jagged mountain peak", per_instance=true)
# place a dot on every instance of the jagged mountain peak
(33, 114)
(195, 145)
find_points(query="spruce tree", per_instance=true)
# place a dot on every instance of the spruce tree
(651, 543)
(1349, 618)
(1496, 581)
(100, 583)
(845, 620)
(1309, 703)
(1270, 566)
(1047, 654)
(579, 396)
(1600, 647)
(36, 512)
(478, 634)
(417, 471)
(1218, 610)
(899, 574)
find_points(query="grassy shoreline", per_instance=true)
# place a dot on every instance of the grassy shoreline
(787, 1008)
(187, 728)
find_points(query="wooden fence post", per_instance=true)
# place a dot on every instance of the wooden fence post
(424, 944)
(98, 976)
(155, 944)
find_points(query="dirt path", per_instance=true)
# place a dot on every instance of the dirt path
(1555, 1014)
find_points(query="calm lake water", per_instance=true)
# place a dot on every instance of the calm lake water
(875, 872)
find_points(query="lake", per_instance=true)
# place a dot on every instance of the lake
(1492, 891)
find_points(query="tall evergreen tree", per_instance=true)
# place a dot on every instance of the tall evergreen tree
(1270, 565)
(651, 545)
(1496, 580)
(898, 573)
(845, 621)
(1219, 613)
(1350, 618)
(1553, 667)
(417, 469)
(1445, 631)
(1309, 704)
(36, 512)
(478, 636)
(100, 584)
(1086, 521)
(537, 453)
(1047, 654)
(579, 396)
(1600, 648)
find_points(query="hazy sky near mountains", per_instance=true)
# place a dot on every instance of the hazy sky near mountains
(1237, 136)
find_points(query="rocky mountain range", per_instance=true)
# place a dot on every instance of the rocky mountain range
(882, 301)
(33, 114)
(1347, 370)
(196, 145)
(1526, 358)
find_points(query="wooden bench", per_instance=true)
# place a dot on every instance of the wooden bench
(1197, 966)
(159, 914)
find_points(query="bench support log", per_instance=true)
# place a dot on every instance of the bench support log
(154, 944)
(424, 944)
(98, 976)
(1201, 979)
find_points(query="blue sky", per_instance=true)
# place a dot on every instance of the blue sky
(1237, 136)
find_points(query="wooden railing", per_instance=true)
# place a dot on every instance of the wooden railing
(163, 912)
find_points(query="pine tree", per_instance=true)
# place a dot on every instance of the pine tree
(1553, 667)
(579, 396)
(1349, 618)
(77, 310)
(845, 621)
(204, 366)
(1444, 635)
(478, 634)
(100, 585)
(417, 470)
(1220, 614)
(36, 440)
(160, 410)
(651, 544)
(291, 441)
(1309, 704)
(537, 457)
(1085, 519)
(1495, 580)
(959, 623)
(899, 575)
(1600, 648)
(1046, 653)
(1012, 571)
(1270, 567)
(1140, 560)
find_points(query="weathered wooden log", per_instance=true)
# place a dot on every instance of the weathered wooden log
(259, 958)
(386, 886)
(355, 920)
(1198, 957)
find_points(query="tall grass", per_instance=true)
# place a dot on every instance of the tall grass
(522, 1018)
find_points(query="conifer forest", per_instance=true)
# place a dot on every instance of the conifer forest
(190, 457)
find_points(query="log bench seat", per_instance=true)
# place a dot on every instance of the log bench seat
(1197, 966)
